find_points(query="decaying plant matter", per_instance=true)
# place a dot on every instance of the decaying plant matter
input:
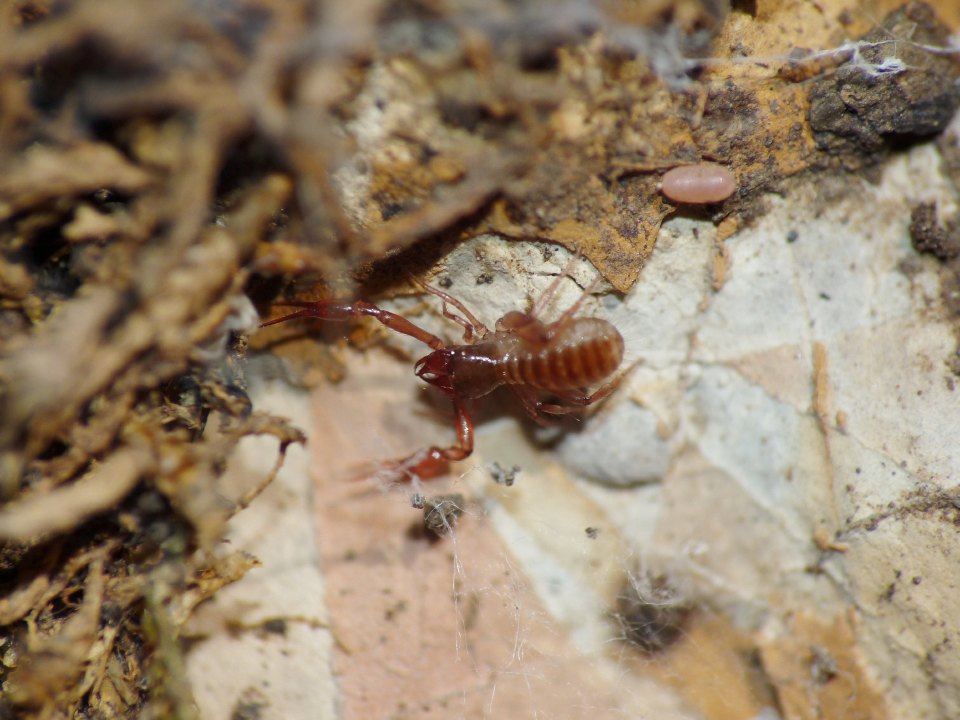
(130, 214)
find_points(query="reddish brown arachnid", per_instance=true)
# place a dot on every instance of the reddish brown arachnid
(560, 359)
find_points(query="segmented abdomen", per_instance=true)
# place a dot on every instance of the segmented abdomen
(588, 351)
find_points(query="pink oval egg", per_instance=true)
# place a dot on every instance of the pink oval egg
(698, 184)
